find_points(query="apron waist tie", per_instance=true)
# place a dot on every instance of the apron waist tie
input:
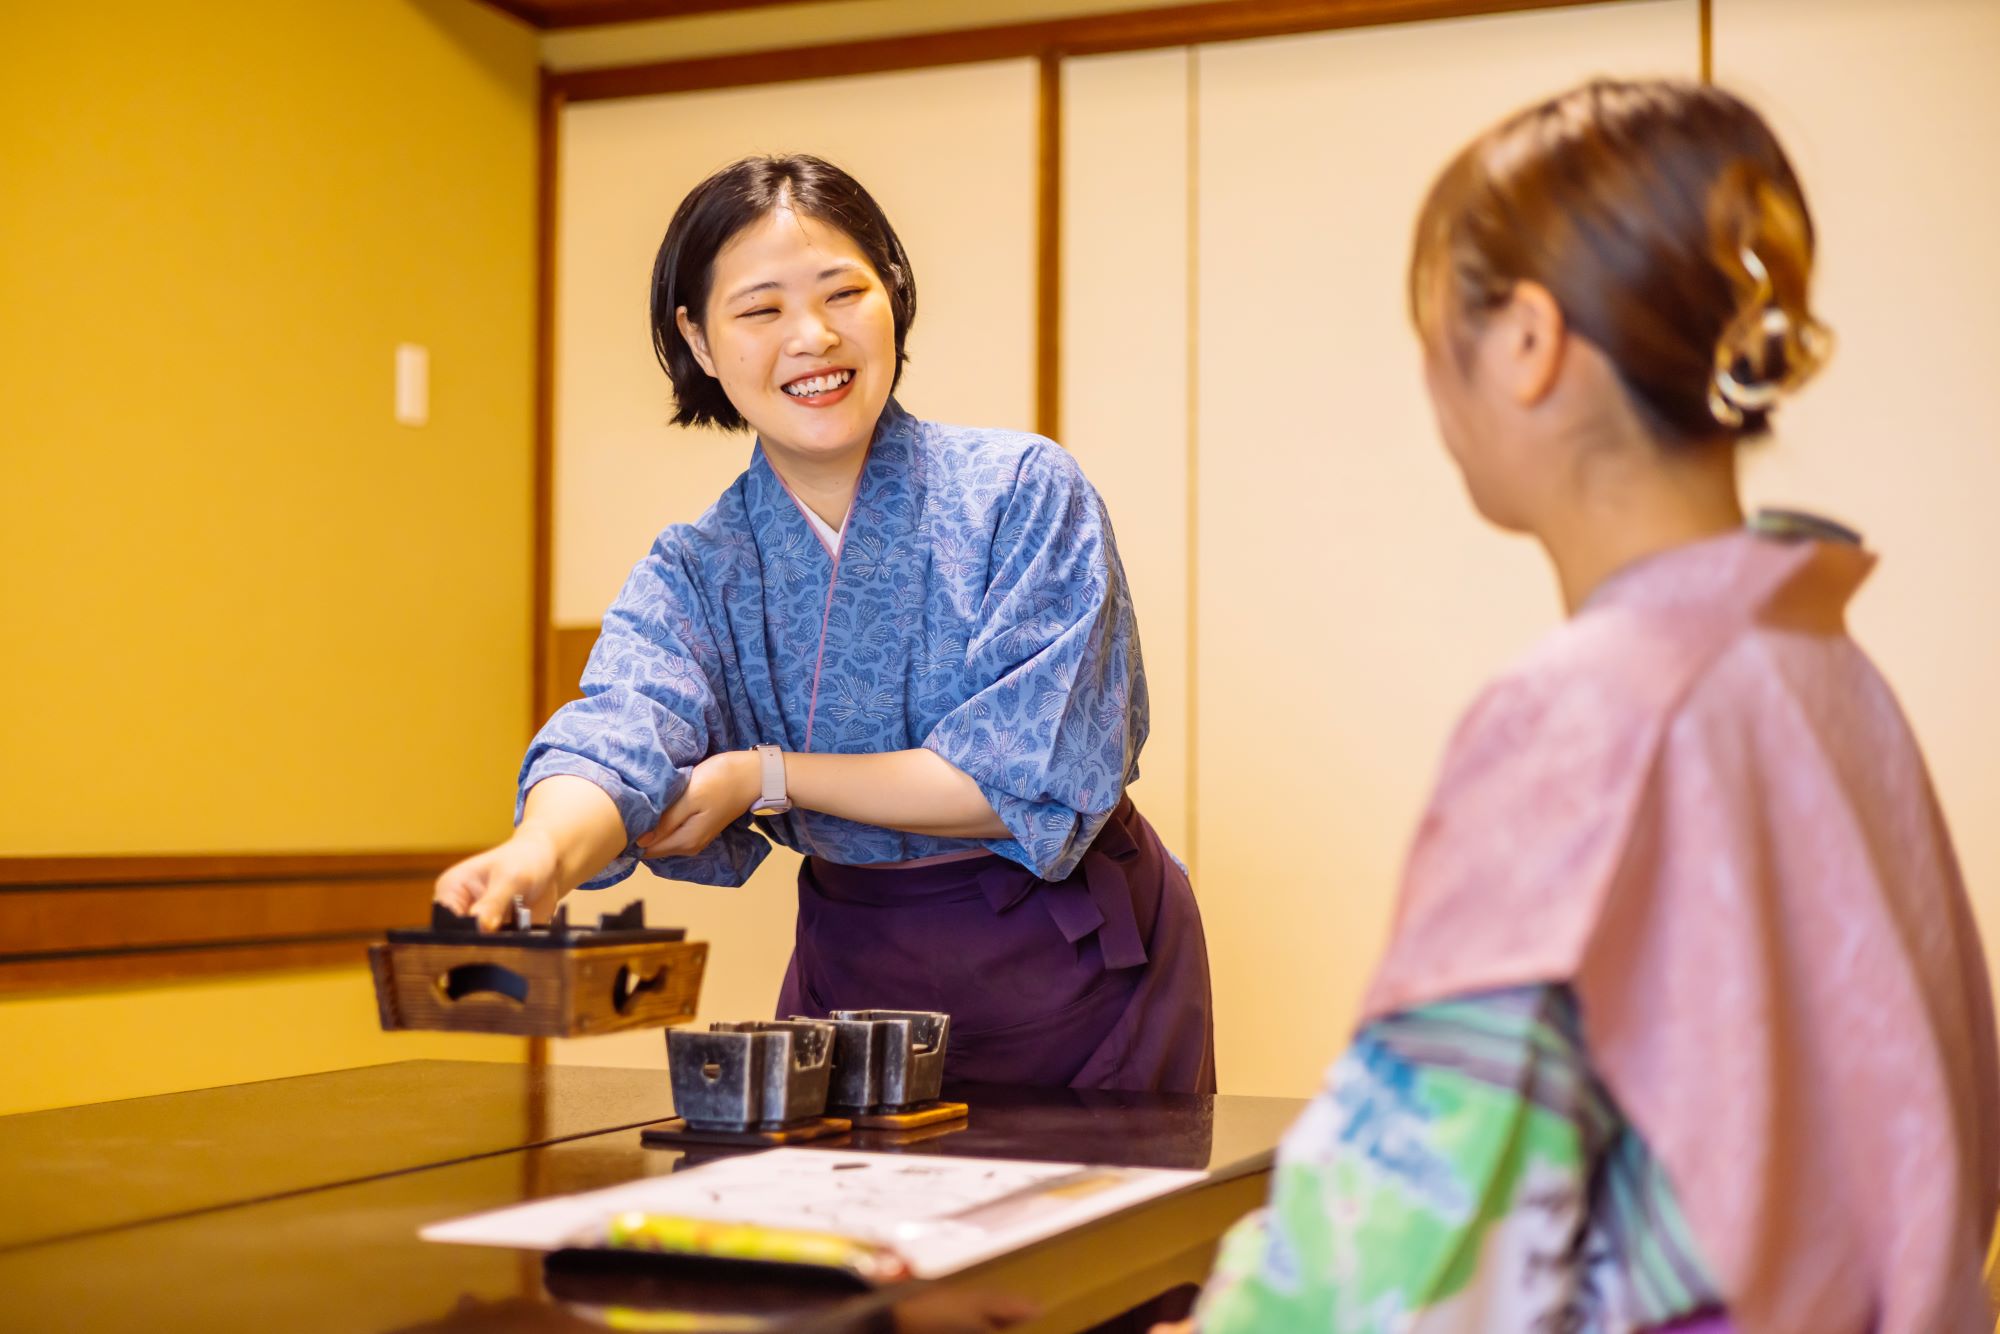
(1095, 898)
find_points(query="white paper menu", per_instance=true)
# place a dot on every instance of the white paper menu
(940, 1214)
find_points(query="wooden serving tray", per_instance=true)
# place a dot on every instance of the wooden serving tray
(672, 1134)
(556, 981)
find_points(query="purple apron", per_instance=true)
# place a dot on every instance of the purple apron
(1096, 981)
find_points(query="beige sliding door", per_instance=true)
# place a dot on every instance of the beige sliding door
(1349, 602)
(1125, 365)
(951, 156)
(1889, 112)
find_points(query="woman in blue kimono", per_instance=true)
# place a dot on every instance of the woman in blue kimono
(905, 650)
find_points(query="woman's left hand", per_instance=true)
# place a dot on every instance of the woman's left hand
(719, 791)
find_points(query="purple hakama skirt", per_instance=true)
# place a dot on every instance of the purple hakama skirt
(1097, 981)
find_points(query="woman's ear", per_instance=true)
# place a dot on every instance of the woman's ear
(1536, 335)
(697, 341)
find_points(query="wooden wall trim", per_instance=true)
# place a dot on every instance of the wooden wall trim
(1097, 34)
(1048, 252)
(95, 921)
(548, 169)
(1191, 546)
(271, 870)
(569, 650)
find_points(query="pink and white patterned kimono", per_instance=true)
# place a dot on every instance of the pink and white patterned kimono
(1683, 870)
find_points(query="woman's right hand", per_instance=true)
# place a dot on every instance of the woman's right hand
(485, 885)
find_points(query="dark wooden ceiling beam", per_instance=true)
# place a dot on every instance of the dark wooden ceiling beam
(550, 14)
(1094, 34)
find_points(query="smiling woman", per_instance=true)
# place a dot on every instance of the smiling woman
(905, 650)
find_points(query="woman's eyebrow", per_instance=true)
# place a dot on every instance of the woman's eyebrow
(773, 283)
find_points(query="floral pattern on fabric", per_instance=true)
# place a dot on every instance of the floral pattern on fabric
(976, 607)
(1462, 1170)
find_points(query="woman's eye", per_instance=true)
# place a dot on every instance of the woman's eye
(848, 291)
(761, 310)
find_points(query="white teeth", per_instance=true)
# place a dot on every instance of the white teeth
(819, 384)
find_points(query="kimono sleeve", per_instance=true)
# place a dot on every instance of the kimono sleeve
(650, 712)
(1462, 1171)
(1052, 726)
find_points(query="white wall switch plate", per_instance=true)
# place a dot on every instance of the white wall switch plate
(413, 384)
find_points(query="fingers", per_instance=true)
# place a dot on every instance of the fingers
(485, 885)
(675, 819)
(676, 844)
(458, 885)
(495, 903)
(695, 831)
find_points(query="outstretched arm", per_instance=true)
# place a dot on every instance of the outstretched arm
(569, 830)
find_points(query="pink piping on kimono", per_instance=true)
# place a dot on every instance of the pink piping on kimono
(833, 579)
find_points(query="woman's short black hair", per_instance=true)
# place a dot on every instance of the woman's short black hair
(723, 205)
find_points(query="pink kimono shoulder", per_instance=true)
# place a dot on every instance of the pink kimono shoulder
(1699, 805)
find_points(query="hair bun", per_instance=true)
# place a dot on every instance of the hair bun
(1773, 344)
(1668, 224)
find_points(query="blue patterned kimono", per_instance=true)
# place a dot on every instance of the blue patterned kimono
(976, 607)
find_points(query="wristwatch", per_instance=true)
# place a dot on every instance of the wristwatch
(772, 799)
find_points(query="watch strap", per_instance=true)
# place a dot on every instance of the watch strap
(771, 797)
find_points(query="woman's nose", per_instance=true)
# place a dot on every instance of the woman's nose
(811, 336)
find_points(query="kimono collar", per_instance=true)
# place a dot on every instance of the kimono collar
(1780, 569)
(889, 462)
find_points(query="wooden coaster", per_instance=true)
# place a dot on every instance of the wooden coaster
(902, 1139)
(676, 1132)
(926, 1114)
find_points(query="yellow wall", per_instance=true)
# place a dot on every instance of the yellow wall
(242, 608)
(66, 1049)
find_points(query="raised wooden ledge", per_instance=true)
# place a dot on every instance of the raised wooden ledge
(79, 922)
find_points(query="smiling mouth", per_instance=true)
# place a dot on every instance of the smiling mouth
(819, 386)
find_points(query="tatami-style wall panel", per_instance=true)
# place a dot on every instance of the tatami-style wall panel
(1125, 270)
(1901, 434)
(1350, 601)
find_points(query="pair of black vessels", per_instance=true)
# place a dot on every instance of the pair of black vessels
(772, 1074)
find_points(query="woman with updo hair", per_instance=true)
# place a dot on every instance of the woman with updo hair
(903, 649)
(1684, 1022)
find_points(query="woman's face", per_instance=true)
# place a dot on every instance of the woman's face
(800, 332)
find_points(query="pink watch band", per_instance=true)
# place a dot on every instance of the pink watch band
(772, 798)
